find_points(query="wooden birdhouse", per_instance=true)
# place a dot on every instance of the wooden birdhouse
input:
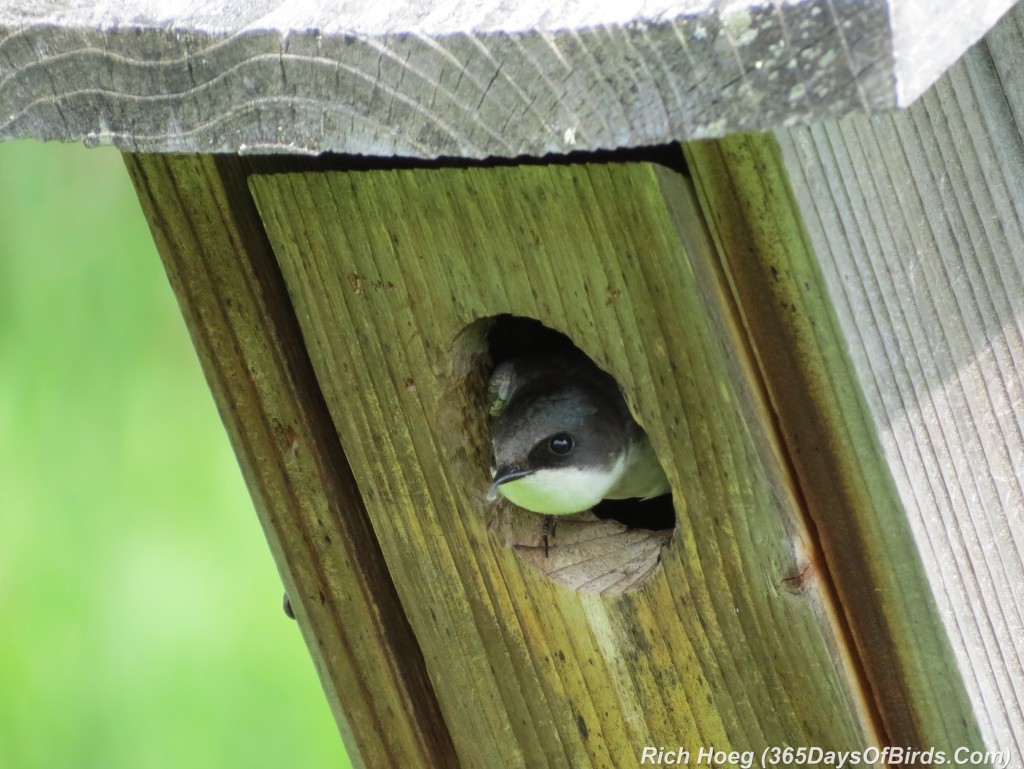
(814, 313)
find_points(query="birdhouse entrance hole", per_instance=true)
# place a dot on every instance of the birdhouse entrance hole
(610, 549)
(510, 336)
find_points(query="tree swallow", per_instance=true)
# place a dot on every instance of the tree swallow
(563, 437)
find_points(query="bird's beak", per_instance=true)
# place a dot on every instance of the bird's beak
(504, 475)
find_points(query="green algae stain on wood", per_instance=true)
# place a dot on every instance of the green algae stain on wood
(386, 269)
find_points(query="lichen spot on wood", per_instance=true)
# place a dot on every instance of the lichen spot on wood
(562, 520)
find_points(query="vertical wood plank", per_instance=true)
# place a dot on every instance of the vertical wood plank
(918, 219)
(230, 291)
(831, 440)
(386, 270)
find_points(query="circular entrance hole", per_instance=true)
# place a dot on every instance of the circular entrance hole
(612, 547)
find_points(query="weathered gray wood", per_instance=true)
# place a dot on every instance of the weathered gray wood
(829, 438)
(429, 79)
(918, 220)
(928, 38)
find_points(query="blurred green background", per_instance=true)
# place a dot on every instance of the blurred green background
(140, 609)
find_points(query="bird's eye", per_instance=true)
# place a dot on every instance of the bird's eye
(561, 444)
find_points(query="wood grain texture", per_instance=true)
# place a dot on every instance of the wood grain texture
(845, 483)
(919, 222)
(237, 311)
(387, 270)
(430, 79)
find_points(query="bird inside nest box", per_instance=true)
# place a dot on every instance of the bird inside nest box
(414, 288)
